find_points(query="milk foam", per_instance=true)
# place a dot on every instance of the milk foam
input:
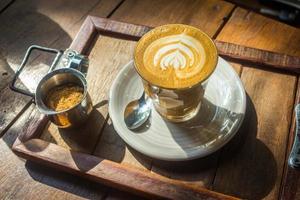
(175, 56)
(181, 52)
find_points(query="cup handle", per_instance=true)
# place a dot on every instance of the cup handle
(25, 59)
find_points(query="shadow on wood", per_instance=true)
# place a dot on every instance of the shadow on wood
(245, 180)
(6, 73)
(64, 181)
(111, 146)
(250, 183)
(79, 139)
(19, 31)
(85, 138)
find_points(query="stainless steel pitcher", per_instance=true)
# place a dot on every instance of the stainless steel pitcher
(68, 67)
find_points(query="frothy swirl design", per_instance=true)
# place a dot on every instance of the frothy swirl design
(180, 55)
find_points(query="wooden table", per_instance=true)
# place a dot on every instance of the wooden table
(251, 166)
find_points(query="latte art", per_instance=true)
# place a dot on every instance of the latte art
(180, 53)
(176, 51)
(175, 59)
(175, 56)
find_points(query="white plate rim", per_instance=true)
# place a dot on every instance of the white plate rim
(209, 150)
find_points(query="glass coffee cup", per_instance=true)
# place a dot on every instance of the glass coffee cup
(174, 62)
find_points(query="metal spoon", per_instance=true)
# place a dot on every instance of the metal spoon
(137, 112)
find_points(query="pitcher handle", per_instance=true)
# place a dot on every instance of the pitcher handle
(25, 59)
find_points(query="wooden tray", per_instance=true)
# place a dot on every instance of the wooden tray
(29, 144)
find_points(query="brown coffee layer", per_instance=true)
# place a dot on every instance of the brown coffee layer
(175, 56)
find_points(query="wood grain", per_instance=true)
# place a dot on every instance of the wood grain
(84, 37)
(258, 57)
(20, 180)
(84, 138)
(141, 12)
(187, 12)
(98, 82)
(104, 62)
(107, 57)
(254, 161)
(117, 28)
(111, 173)
(259, 146)
(6, 73)
(231, 51)
(114, 195)
(290, 184)
(72, 22)
(45, 23)
(260, 32)
(36, 22)
(9, 107)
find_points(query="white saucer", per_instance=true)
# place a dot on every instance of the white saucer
(218, 120)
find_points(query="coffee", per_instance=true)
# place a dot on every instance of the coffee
(64, 97)
(175, 56)
(173, 61)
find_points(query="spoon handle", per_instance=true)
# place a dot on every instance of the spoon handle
(294, 158)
